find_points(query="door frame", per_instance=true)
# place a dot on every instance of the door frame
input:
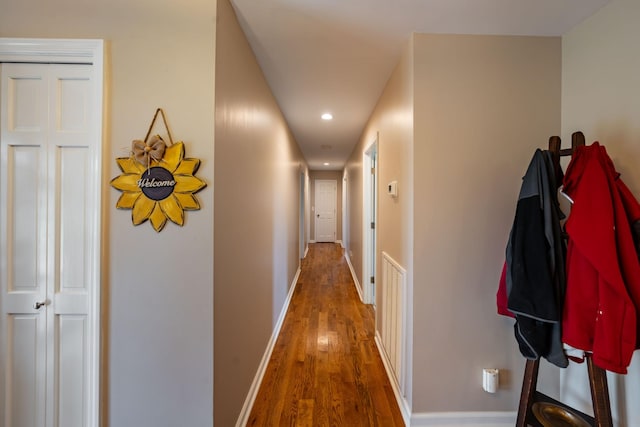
(301, 215)
(345, 211)
(369, 216)
(91, 52)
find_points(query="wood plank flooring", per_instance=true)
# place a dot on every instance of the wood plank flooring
(325, 369)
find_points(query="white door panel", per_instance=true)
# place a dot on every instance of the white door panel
(326, 196)
(24, 199)
(25, 372)
(25, 115)
(47, 239)
(72, 164)
(72, 368)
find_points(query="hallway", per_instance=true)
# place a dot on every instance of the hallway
(325, 369)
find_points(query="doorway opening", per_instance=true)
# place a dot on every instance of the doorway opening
(301, 227)
(370, 213)
(345, 211)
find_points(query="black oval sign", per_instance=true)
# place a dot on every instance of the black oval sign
(157, 183)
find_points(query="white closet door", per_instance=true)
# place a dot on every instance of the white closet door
(46, 243)
(23, 250)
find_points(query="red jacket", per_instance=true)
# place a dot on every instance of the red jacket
(501, 296)
(603, 273)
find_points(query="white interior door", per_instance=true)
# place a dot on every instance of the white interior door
(373, 251)
(326, 201)
(49, 237)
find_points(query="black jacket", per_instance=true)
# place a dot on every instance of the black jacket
(536, 264)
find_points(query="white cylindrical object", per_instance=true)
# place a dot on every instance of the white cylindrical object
(490, 380)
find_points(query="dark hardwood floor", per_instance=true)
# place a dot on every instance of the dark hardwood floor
(325, 369)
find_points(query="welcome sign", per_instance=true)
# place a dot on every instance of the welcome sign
(158, 183)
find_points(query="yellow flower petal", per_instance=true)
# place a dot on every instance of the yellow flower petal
(127, 200)
(126, 182)
(142, 209)
(188, 201)
(187, 167)
(129, 165)
(158, 219)
(172, 210)
(188, 184)
(173, 156)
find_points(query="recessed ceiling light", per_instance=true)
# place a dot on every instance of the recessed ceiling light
(326, 163)
(327, 116)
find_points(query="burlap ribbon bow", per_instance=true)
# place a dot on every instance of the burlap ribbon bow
(145, 151)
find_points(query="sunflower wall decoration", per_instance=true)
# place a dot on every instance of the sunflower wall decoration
(157, 181)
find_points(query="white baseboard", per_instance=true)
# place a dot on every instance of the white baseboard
(353, 275)
(339, 242)
(312, 241)
(262, 368)
(441, 419)
(306, 251)
(405, 408)
(464, 419)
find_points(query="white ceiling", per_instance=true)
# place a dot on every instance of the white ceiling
(336, 55)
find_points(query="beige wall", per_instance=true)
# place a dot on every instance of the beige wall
(483, 104)
(458, 123)
(157, 287)
(391, 124)
(257, 185)
(601, 97)
(353, 176)
(326, 175)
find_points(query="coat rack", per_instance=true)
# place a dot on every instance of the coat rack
(597, 375)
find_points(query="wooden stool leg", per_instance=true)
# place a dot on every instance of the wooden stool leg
(599, 394)
(529, 385)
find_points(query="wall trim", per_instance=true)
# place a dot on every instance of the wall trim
(464, 419)
(353, 275)
(405, 408)
(62, 51)
(262, 368)
(339, 242)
